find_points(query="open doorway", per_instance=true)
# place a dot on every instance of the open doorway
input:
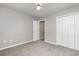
(41, 30)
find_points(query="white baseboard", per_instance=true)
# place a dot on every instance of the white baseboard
(59, 45)
(50, 42)
(15, 45)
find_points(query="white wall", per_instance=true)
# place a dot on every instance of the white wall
(50, 29)
(50, 23)
(15, 27)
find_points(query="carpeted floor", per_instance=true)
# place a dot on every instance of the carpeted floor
(39, 48)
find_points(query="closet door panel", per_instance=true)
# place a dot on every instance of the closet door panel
(59, 33)
(77, 31)
(71, 31)
(65, 31)
(68, 31)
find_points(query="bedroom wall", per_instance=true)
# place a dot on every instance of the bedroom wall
(15, 27)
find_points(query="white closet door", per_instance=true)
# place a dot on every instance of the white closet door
(59, 33)
(65, 31)
(77, 31)
(68, 31)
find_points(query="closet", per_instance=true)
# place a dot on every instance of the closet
(67, 31)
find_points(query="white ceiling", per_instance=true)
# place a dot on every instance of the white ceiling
(47, 8)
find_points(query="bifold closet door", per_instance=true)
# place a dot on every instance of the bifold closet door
(59, 31)
(77, 31)
(68, 31)
(65, 31)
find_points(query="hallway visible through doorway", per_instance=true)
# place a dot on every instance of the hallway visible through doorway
(41, 29)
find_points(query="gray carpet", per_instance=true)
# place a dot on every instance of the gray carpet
(39, 48)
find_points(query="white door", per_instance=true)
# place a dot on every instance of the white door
(59, 32)
(77, 31)
(65, 31)
(68, 31)
(35, 30)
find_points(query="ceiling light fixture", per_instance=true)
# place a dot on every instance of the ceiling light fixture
(38, 6)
